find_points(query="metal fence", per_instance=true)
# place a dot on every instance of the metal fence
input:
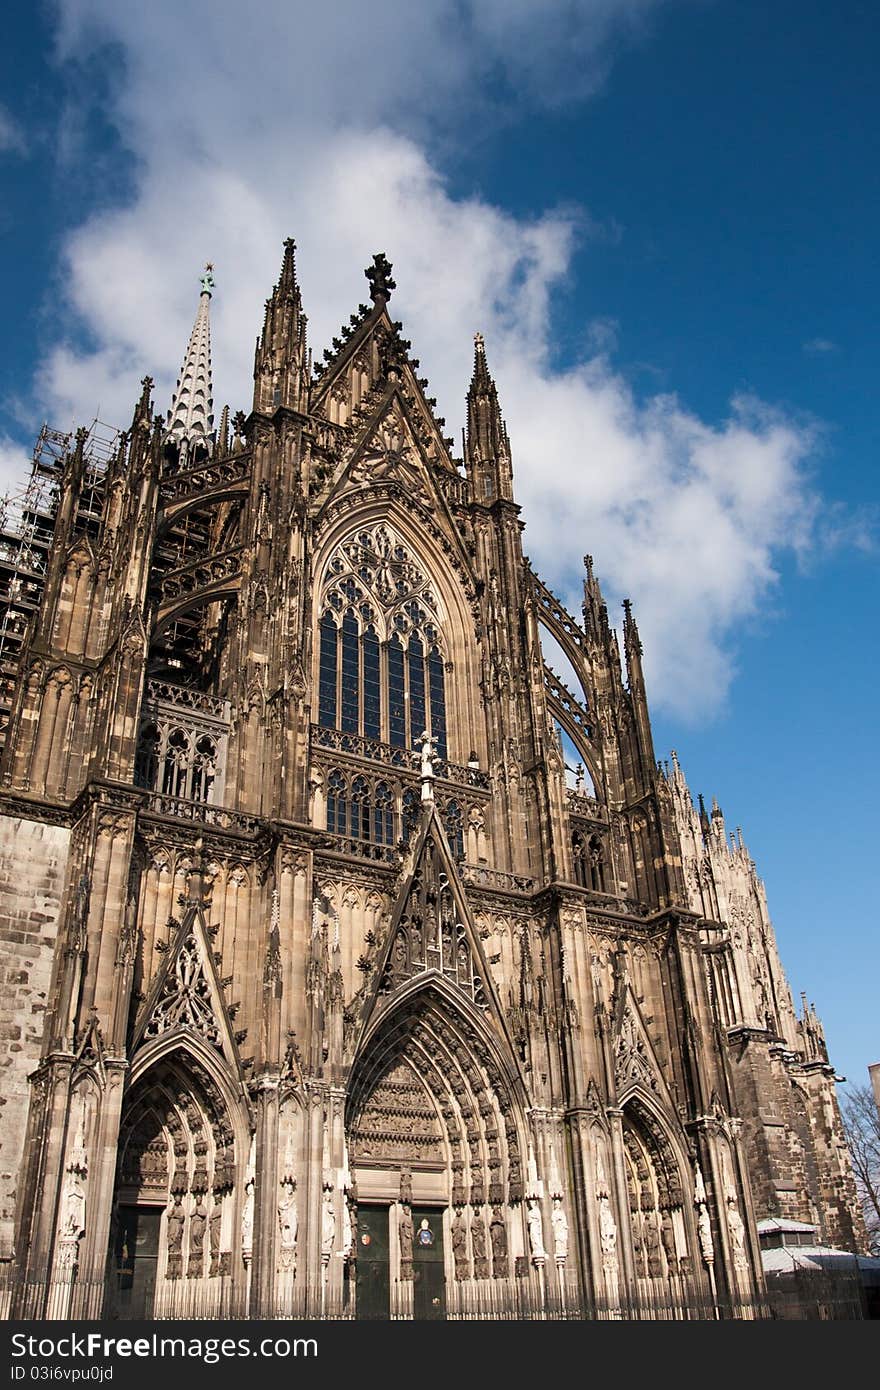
(801, 1296)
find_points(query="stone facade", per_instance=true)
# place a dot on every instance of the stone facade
(317, 965)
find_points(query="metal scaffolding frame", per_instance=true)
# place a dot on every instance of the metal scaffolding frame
(27, 530)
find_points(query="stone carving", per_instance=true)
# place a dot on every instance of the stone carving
(214, 1228)
(288, 1221)
(478, 1246)
(559, 1222)
(704, 1224)
(328, 1224)
(405, 1242)
(174, 1223)
(459, 1246)
(631, 1062)
(197, 1223)
(247, 1221)
(536, 1230)
(185, 998)
(498, 1238)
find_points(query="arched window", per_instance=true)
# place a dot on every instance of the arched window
(453, 822)
(411, 811)
(176, 764)
(204, 769)
(577, 859)
(337, 804)
(383, 815)
(146, 767)
(382, 673)
(360, 809)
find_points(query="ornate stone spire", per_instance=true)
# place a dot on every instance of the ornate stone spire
(191, 419)
(487, 433)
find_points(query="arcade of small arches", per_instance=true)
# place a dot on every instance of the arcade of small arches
(383, 811)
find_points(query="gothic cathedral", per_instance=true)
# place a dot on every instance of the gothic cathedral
(327, 990)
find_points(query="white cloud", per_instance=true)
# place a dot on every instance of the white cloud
(250, 126)
(14, 465)
(12, 140)
(820, 347)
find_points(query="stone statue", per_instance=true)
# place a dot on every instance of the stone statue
(478, 1245)
(174, 1235)
(704, 1230)
(197, 1223)
(73, 1221)
(328, 1224)
(737, 1234)
(498, 1237)
(247, 1221)
(405, 1241)
(288, 1221)
(214, 1226)
(459, 1247)
(559, 1222)
(347, 1231)
(536, 1231)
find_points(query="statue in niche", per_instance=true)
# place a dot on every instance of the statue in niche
(328, 1224)
(559, 1222)
(214, 1226)
(197, 1224)
(247, 1220)
(652, 1247)
(288, 1221)
(174, 1235)
(405, 1242)
(536, 1230)
(498, 1238)
(478, 1245)
(737, 1234)
(459, 1246)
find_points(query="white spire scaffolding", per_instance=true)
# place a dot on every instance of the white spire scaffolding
(191, 418)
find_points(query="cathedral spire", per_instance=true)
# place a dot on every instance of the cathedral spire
(281, 364)
(488, 446)
(191, 419)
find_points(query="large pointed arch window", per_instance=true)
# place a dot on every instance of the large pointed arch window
(382, 667)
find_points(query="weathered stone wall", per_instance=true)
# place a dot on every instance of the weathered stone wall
(33, 859)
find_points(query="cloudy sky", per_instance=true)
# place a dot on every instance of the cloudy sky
(663, 217)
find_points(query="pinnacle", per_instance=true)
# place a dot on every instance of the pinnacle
(481, 381)
(287, 282)
(379, 278)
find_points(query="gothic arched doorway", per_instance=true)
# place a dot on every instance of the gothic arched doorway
(662, 1238)
(436, 1152)
(171, 1245)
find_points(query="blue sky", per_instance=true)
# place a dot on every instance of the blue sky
(662, 214)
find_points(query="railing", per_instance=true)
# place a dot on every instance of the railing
(551, 1295)
(408, 759)
(569, 703)
(202, 573)
(202, 812)
(480, 877)
(364, 849)
(579, 804)
(186, 698)
(553, 609)
(205, 477)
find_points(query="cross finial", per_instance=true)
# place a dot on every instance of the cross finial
(207, 280)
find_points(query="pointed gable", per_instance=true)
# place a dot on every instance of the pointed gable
(186, 996)
(432, 929)
(636, 1065)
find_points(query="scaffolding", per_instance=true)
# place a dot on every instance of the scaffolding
(27, 530)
